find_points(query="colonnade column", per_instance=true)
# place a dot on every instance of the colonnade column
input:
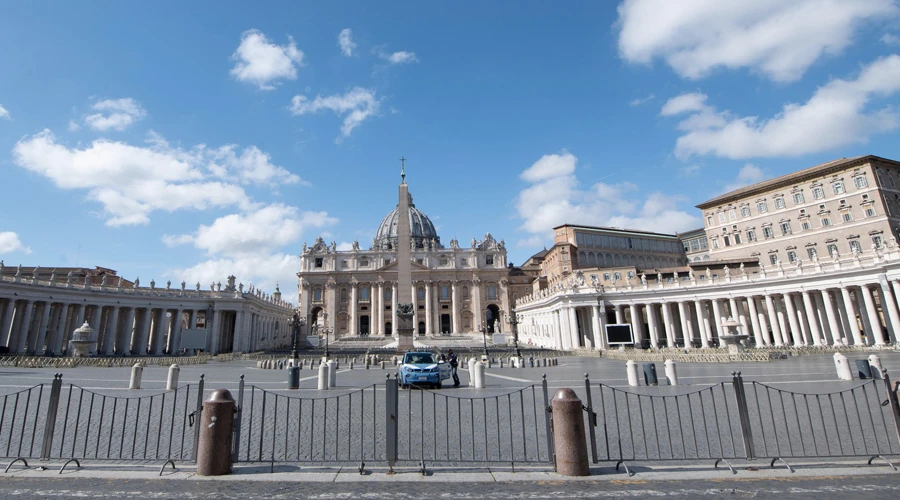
(599, 341)
(124, 341)
(763, 321)
(24, 326)
(79, 318)
(667, 324)
(717, 316)
(429, 313)
(572, 338)
(620, 314)
(651, 323)
(112, 328)
(454, 315)
(811, 318)
(754, 321)
(874, 320)
(637, 325)
(773, 319)
(796, 333)
(60, 329)
(702, 323)
(354, 298)
(175, 343)
(42, 329)
(8, 313)
(889, 309)
(833, 322)
(686, 328)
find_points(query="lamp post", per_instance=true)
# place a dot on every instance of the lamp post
(296, 324)
(326, 331)
(513, 319)
(483, 330)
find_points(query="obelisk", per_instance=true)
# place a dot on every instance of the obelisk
(405, 306)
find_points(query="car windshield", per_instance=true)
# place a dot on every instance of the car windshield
(419, 358)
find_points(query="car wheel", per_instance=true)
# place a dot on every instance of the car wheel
(437, 385)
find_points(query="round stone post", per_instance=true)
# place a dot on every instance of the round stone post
(216, 431)
(323, 377)
(842, 366)
(568, 434)
(631, 369)
(671, 375)
(875, 363)
(472, 370)
(478, 375)
(172, 380)
(332, 373)
(137, 371)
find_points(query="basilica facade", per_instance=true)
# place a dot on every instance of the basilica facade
(457, 290)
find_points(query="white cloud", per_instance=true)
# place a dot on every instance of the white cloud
(115, 114)
(776, 38)
(263, 270)
(402, 57)
(836, 115)
(690, 170)
(747, 175)
(74, 126)
(344, 246)
(9, 243)
(263, 229)
(4, 113)
(357, 105)
(133, 181)
(533, 241)
(891, 39)
(554, 197)
(642, 100)
(346, 42)
(684, 103)
(262, 63)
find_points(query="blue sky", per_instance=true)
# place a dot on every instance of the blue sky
(188, 142)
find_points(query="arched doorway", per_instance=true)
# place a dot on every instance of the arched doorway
(314, 318)
(493, 319)
(421, 328)
(364, 325)
(388, 330)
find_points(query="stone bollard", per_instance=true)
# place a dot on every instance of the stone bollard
(478, 375)
(137, 371)
(671, 375)
(332, 373)
(875, 363)
(501, 362)
(350, 364)
(367, 362)
(382, 365)
(631, 369)
(323, 377)
(216, 433)
(471, 363)
(172, 380)
(312, 365)
(842, 366)
(300, 364)
(531, 362)
(568, 434)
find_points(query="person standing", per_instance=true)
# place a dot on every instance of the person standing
(454, 362)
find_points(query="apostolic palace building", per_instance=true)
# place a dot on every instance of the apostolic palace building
(808, 258)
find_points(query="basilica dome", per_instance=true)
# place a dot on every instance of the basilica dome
(421, 230)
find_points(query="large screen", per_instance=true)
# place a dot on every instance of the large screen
(619, 334)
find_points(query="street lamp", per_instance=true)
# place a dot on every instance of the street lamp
(483, 330)
(326, 331)
(514, 320)
(296, 324)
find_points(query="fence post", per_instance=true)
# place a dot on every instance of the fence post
(391, 407)
(197, 412)
(235, 453)
(592, 417)
(50, 422)
(743, 413)
(892, 397)
(548, 416)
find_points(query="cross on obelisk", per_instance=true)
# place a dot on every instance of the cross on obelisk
(405, 304)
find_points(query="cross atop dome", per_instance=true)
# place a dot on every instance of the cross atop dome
(402, 170)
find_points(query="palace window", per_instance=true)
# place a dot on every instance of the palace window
(445, 292)
(792, 256)
(344, 264)
(860, 182)
(709, 220)
(464, 262)
(631, 275)
(617, 276)
(870, 212)
(444, 261)
(489, 260)
(826, 221)
(779, 202)
(722, 218)
(745, 211)
(715, 242)
(761, 207)
(465, 292)
(605, 276)
(785, 228)
(387, 294)
(832, 250)
(492, 292)
(420, 293)
(798, 198)
(731, 215)
(818, 193)
(364, 293)
(811, 251)
(877, 241)
(767, 232)
(855, 246)
(847, 216)
(343, 295)
(363, 262)
(318, 262)
(727, 241)
(805, 225)
(751, 235)
(838, 187)
(737, 238)
(773, 259)
(317, 295)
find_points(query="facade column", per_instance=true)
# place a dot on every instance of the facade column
(573, 336)
(852, 323)
(620, 314)
(429, 310)
(763, 321)
(354, 307)
(415, 303)
(717, 316)
(478, 312)
(872, 313)
(833, 322)
(394, 303)
(796, 333)
(24, 327)
(378, 308)
(651, 323)
(889, 310)
(8, 314)
(175, 343)
(637, 325)
(112, 329)
(60, 329)
(687, 333)
(599, 341)
(812, 318)
(702, 323)
(454, 307)
(42, 329)
(754, 321)
(125, 335)
(773, 319)
(667, 324)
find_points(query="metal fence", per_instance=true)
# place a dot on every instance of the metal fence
(731, 420)
(72, 423)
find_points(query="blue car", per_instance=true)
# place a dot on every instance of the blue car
(420, 368)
